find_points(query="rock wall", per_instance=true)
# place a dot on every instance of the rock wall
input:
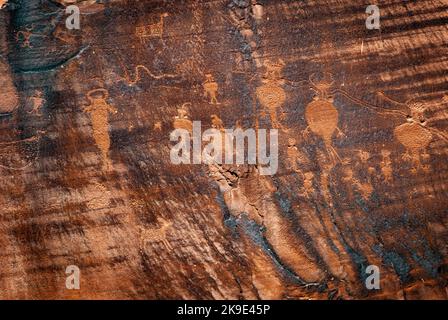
(86, 177)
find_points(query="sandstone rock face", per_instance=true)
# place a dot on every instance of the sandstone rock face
(87, 179)
(8, 97)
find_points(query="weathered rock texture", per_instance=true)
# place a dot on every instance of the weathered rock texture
(86, 177)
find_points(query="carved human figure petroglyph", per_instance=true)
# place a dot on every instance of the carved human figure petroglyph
(271, 95)
(364, 156)
(322, 116)
(181, 121)
(154, 30)
(415, 135)
(99, 110)
(348, 177)
(158, 126)
(211, 89)
(153, 235)
(293, 155)
(308, 182)
(26, 36)
(386, 165)
(37, 102)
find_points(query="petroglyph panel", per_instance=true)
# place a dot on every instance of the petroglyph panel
(86, 177)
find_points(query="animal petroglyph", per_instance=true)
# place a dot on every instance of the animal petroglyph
(322, 116)
(99, 110)
(138, 75)
(211, 89)
(181, 121)
(271, 95)
(154, 235)
(154, 30)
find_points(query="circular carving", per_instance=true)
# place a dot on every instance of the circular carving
(271, 96)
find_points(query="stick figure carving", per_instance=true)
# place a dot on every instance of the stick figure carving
(158, 125)
(211, 89)
(154, 235)
(99, 110)
(217, 122)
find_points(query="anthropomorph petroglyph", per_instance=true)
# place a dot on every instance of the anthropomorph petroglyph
(365, 189)
(295, 157)
(386, 165)
(211, 89)
(99, 110)
(364, 156)
(271, 95)
(37, 103)
(154, 30)
(322, 116)
(158, 125)
(25, 36)
(415, 135)
(181, 121)
(154, 235)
